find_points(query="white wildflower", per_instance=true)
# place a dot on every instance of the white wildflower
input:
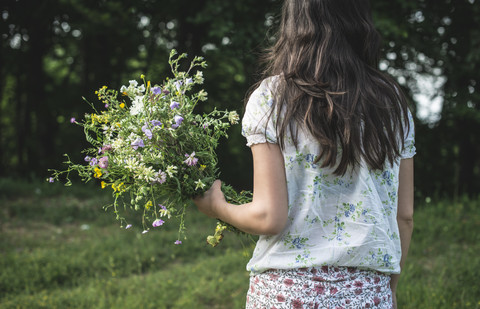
(145, 173)
(171, 170)
(199, 77)
(202, 95)
(137, 105)
(118, 143)
(131, 164)
(164, 212)
(233, 117)
(199, 184)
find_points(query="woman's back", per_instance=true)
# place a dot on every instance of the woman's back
(343, 220)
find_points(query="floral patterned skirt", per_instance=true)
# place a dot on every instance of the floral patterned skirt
(319, 287)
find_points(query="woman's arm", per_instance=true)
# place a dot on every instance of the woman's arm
(268, 211)
(404, 213)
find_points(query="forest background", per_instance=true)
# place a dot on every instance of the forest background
(56, 51)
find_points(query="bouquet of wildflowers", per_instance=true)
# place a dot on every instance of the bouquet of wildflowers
(151, 149)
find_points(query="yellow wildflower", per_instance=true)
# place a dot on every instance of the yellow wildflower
(103, 184)
(118, 124)
(202, 167)
(217, 237)
(219, 228)
(122, 105)
(148, 205)
(97, 172)
(142, 76)
(120, 187)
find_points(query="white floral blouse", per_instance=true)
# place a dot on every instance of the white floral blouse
(333, 220)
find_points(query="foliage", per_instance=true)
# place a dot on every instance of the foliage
(66, 252)
(56, 50)
(437, 43)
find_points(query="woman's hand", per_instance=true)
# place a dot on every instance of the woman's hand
(213, 198)
(267, 213)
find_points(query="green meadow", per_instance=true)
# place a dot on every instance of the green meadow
(60, 249)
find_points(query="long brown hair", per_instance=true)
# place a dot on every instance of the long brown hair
(326, 57)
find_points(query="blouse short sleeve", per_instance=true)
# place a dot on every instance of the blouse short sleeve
(409, 149)
(258, 123)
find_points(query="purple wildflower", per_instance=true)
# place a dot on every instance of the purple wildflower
(137, 143)
(106, 105)
(50, 180)
(87, 159)
(174, 105)
(157, 90)
(156, 123)
(178, 242)
(106, 148)
(93, 161)
(162, 207)
(191, 160)
(188, 81)
(72, 120)
(103, 162)
(178, 84)
(158, 223)
(147, 131)
(128, 226)
(178, 121)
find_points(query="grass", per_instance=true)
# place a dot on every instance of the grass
(443, 267)
(59, 249)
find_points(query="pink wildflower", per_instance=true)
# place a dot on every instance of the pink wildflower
(103, 162)
(191, 160)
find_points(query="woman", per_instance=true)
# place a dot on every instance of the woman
(332, 144)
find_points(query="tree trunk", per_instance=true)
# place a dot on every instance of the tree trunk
(38, 118)
(2, 113)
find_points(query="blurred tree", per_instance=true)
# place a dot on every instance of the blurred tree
(55, 51)
(439, 40)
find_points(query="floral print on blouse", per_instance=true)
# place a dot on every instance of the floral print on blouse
(333, 220)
